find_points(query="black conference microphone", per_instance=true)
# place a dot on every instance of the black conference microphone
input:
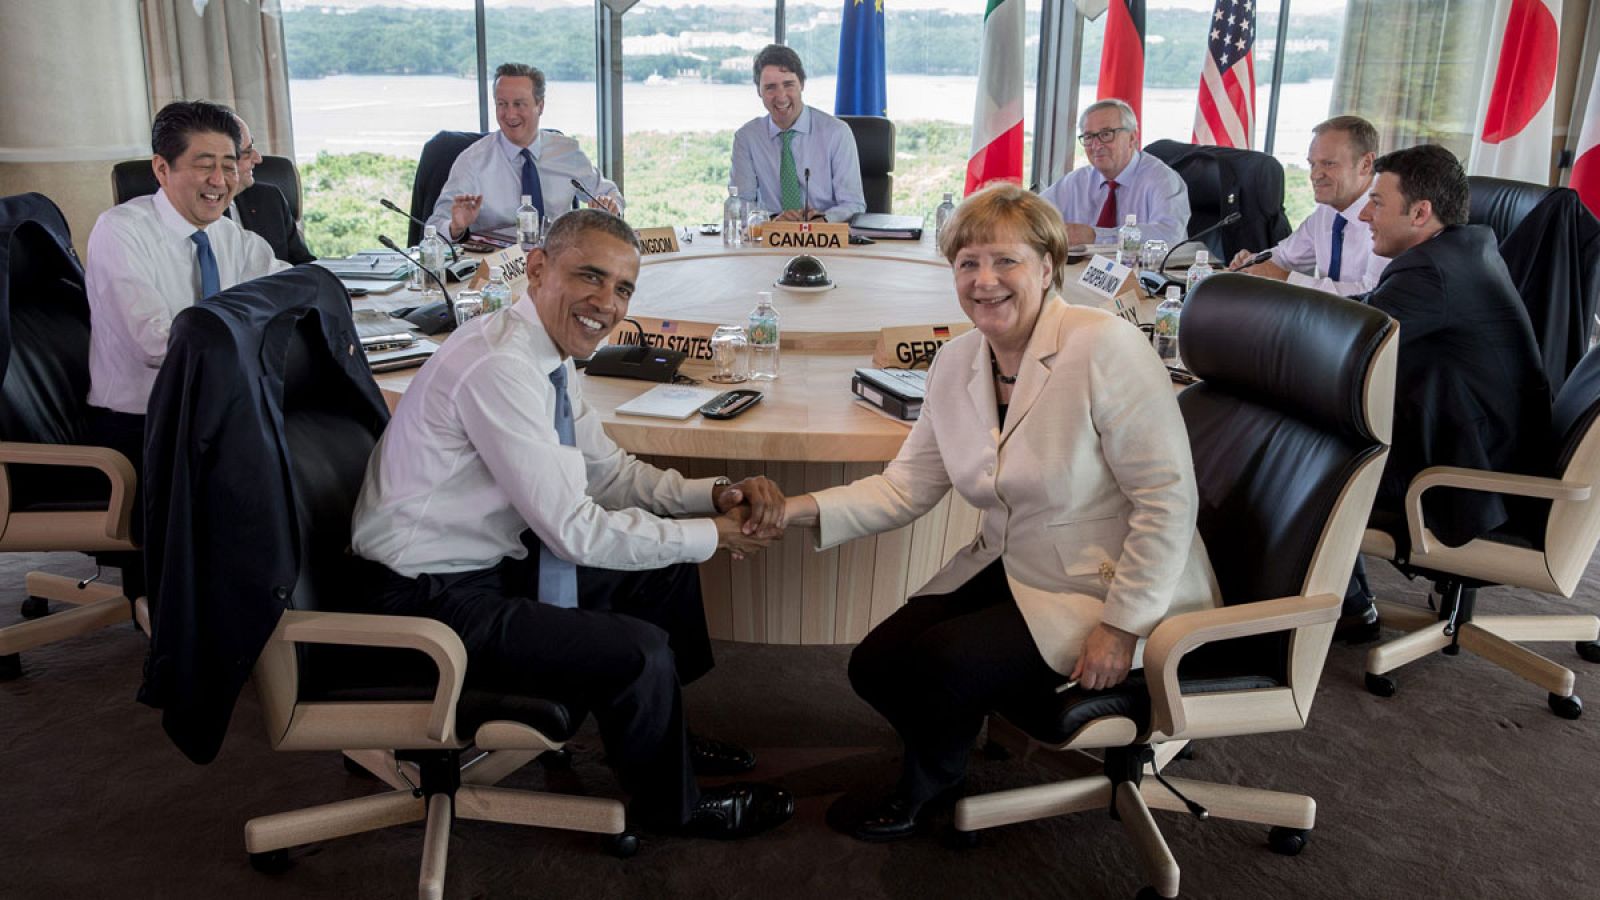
(434, 317)
(805, 202)
(578, 186)
(454, 255)
(1154, 282)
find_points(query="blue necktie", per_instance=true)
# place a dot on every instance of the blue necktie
(210, 283)
(1338, 247)
(558, 578)
(530, 186)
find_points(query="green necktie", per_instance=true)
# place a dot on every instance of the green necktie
(790, 192)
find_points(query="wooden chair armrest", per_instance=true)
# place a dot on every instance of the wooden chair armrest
(1180, 634)
(432, 637)
(1481, 480)
(115, 466)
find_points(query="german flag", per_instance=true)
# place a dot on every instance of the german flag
(1122, 56)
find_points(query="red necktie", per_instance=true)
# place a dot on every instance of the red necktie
(1108, 213)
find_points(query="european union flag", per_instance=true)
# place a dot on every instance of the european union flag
(861, 90)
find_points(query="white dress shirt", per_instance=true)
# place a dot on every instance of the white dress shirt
(1307, 252)
(1147, 188)
(471, 460)
(142, 271)
(492, 167)
(821, 143)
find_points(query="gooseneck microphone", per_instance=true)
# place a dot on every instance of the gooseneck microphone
(1160, 278)
(454, 253)
(578, 186)
(449, 304)
(805, 202)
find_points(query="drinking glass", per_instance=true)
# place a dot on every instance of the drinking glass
(730, 355)
(469, 305)
(1151, 254)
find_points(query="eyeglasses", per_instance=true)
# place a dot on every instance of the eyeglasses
(1103, 136)
(249, 152)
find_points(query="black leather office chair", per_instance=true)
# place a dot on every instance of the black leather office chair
(1546, 547)
(134, 178)
(1553, 255)
(875, 146)
(1501, 203)
(433, 169)
(391, 691)
(55, 492)
(1290, 431)
(1223, 180)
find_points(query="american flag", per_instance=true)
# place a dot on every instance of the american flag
(1226, 114)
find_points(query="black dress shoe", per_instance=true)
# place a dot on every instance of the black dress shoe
(739, 810)
(1358, 627)
(713, 757)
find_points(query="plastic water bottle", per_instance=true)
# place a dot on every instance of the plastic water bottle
(763, 332)
(432, 252)
(1200, 271)
(1167, 327)
(942, 215)
(528, 223)
(1130, 240)
(733, 219)
(496, 293)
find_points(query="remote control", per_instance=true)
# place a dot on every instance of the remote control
(728, 404)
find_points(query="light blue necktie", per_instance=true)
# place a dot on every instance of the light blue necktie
(531, 187)
(210, 283)
(558, 578)
(1338, 248)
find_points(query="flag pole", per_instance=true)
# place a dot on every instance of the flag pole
(1277, 77)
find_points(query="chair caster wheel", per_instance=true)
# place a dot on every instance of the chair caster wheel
(1288, 841)
(558, 759)
(1380, 685)
(272, 862)
(622, 846)
(35, 608)
(1186, 754)
(1589, 650)
(1566, 707)
(994, 752)
(957, 839)
(1149, 893)
(10, 667)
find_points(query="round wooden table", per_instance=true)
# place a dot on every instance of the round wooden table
(809, 432)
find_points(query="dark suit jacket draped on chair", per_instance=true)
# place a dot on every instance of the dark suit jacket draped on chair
(264, 210)
(220, 546)
(1553, 256)
(1470, 390)
(1222, 180)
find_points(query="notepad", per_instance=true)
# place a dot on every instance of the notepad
(668, 401)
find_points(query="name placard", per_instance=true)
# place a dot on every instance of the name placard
(657, 240)
(513, 263)
(806, 235)
(691, 338)
(913, 346)
(1114, 284)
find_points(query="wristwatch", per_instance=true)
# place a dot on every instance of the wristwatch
(722, 482)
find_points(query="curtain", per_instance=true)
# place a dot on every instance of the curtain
(1414, 68)
(225, 51)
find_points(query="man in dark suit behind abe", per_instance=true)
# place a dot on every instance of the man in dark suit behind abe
(1470, 389)
(263, 209)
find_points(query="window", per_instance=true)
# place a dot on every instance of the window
(559, 40)
(687, 89)
(368, 85)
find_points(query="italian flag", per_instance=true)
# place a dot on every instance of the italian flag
(997, 121)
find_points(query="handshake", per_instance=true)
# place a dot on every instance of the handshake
(753, 513)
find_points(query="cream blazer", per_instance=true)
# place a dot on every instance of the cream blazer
(1087, 493)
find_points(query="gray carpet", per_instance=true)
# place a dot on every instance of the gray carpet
(1462, 785)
